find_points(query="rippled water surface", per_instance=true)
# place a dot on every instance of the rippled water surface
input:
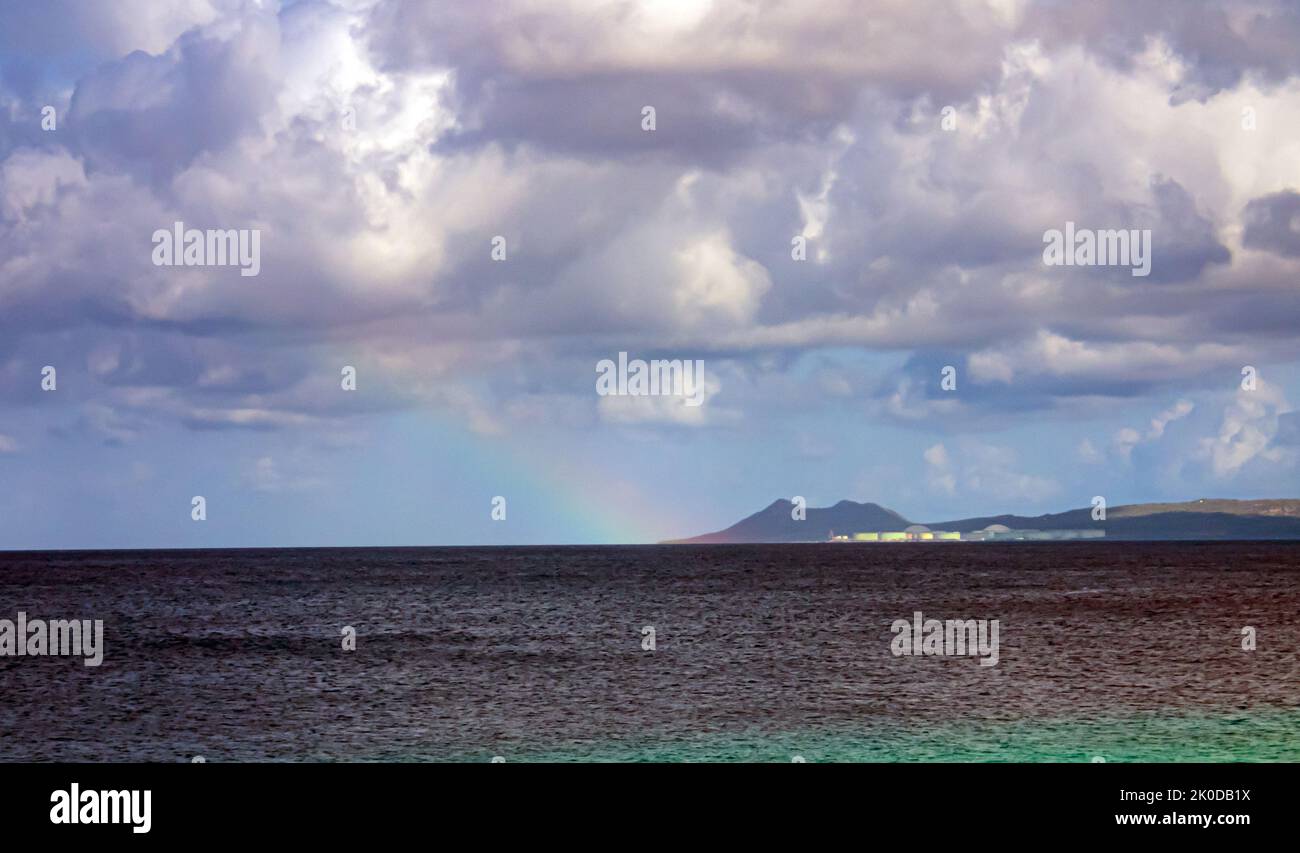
(1123, 651)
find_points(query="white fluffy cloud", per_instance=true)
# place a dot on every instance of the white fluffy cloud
(1128, 438)
(981, 471)
(1247, 432)
(380, 146)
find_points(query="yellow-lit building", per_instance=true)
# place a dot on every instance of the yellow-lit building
(915, 533)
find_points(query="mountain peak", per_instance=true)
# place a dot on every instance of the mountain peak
(776, 523)
(1201, 519)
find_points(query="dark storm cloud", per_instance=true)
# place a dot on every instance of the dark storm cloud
(1273, 224)
(153, 115)
(1184, 241)
(602, 118)
(1220, 43)
(742, 75)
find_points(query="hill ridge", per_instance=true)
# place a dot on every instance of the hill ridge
(1203, 518)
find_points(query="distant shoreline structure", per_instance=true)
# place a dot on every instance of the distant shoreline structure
(991, 533)
(1204, 519)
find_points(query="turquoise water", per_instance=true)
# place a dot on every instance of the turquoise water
(1260, 735)
(1125, 651)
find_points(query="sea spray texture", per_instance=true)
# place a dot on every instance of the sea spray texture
(37, 638)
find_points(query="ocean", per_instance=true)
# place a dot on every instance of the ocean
(1113, 651)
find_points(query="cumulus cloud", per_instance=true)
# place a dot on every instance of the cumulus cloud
(1127, 438)
(1250, 425)
(380, 146)
(1074, 365)
(266, 474)
(940, 473)
(1215, 45)
(1181, 409)
(727, 76)
(697, 406)
(1273, 223)
(983, 471)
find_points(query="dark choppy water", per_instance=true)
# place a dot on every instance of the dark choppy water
(1119, 650)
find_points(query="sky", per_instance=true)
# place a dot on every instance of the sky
(465, 204)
